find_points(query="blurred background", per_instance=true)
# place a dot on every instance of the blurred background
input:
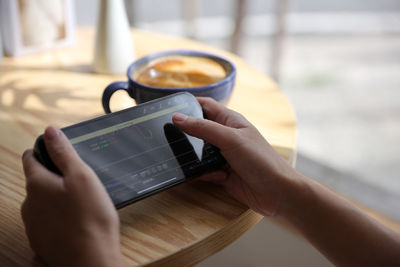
(339, 64)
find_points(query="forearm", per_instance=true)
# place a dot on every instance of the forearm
(261, 179)
(342, 232)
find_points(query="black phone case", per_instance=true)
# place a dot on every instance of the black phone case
(214, 163)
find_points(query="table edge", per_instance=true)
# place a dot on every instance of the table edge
(221, 238)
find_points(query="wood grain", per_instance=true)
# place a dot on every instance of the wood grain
(178, 227)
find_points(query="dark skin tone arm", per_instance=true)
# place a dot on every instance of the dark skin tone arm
(88, 234)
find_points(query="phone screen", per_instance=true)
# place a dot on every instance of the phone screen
(138, 151)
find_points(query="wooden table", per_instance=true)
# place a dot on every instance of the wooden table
(178, 227)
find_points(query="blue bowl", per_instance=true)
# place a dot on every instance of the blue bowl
(220, 90)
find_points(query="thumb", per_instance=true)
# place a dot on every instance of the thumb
(60, 150)
(214, 133)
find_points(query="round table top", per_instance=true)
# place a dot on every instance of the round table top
(180, 226)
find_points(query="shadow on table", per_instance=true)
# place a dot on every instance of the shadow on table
(26, 111)
(47, 95)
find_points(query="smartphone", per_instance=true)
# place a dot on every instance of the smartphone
(138, 151)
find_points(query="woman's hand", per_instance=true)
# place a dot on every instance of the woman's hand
(260, 178)
(69, 219)
(256, 172)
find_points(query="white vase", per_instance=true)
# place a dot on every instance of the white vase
(114, 49)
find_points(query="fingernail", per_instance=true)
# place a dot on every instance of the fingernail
(51, 132)
(179, 117)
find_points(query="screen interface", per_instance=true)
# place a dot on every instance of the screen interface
(139, 150)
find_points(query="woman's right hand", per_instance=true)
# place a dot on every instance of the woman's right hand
(264, 181)
(257, 173)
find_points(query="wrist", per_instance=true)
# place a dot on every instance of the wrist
(294, 190)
